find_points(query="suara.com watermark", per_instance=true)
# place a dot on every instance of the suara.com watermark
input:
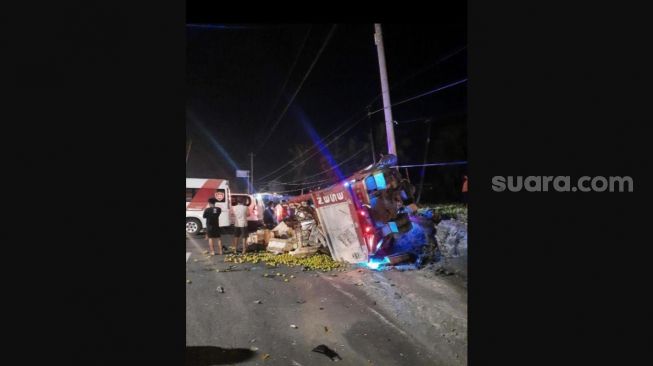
(562, 184)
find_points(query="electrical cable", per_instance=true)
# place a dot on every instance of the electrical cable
(292, 99)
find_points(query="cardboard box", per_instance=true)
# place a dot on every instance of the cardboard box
(279, 246)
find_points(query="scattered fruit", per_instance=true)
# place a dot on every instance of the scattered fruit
(318, 262)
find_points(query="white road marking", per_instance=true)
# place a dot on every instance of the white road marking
(187, 256)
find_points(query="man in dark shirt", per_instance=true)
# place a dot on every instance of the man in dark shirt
(268, 216)
(212, 215)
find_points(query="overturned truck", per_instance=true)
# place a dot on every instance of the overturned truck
(363, 217)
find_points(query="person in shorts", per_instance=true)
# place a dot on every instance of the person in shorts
(240, 229)
(212, 215)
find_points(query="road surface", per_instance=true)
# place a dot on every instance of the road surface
(367, 317)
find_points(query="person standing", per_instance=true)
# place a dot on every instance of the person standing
(240, 229)
(282, 211)
(268, 216)
(212, 216)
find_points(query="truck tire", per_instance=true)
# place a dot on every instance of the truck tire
(193, 226)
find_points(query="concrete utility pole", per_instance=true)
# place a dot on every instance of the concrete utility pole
(251, 172)
(387, 110)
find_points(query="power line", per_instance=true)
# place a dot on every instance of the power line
(423, 94)
(437, 62)
(367, 105)
(355, 123)
(339, 164)
(432, 164)
(316, 144)
(399, 166)
(319, 150)
(303, 183)
(292, 99)
(299, 189)
(351, 126)
(422, 119)
(285, 83)
(371, 113)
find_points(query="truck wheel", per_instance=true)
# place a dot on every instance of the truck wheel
(193, 226)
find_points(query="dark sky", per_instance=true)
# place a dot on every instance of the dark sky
(235, 74)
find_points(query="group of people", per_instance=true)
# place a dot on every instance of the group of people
(276, 212)
(212, 216)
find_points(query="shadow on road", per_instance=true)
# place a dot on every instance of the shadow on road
(208, 355)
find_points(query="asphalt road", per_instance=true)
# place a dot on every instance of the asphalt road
(367, 317)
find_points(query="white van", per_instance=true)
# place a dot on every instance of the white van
(198, 192)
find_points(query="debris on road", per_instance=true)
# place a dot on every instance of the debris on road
(399, 258)
(188, 281)
(281, 229)
(258, 302)
(322, 262)
(293, 326)
(328, 352)
(265, 356)
(279, 246)
(220, 289)
(304, 252)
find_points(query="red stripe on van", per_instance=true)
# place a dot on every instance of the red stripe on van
(201, 198)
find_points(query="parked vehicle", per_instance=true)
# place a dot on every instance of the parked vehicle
(198, 192)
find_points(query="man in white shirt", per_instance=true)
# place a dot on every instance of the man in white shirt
(240, 229)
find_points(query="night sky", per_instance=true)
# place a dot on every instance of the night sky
(235, 74)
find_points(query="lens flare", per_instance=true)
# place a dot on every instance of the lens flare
(377, 263)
